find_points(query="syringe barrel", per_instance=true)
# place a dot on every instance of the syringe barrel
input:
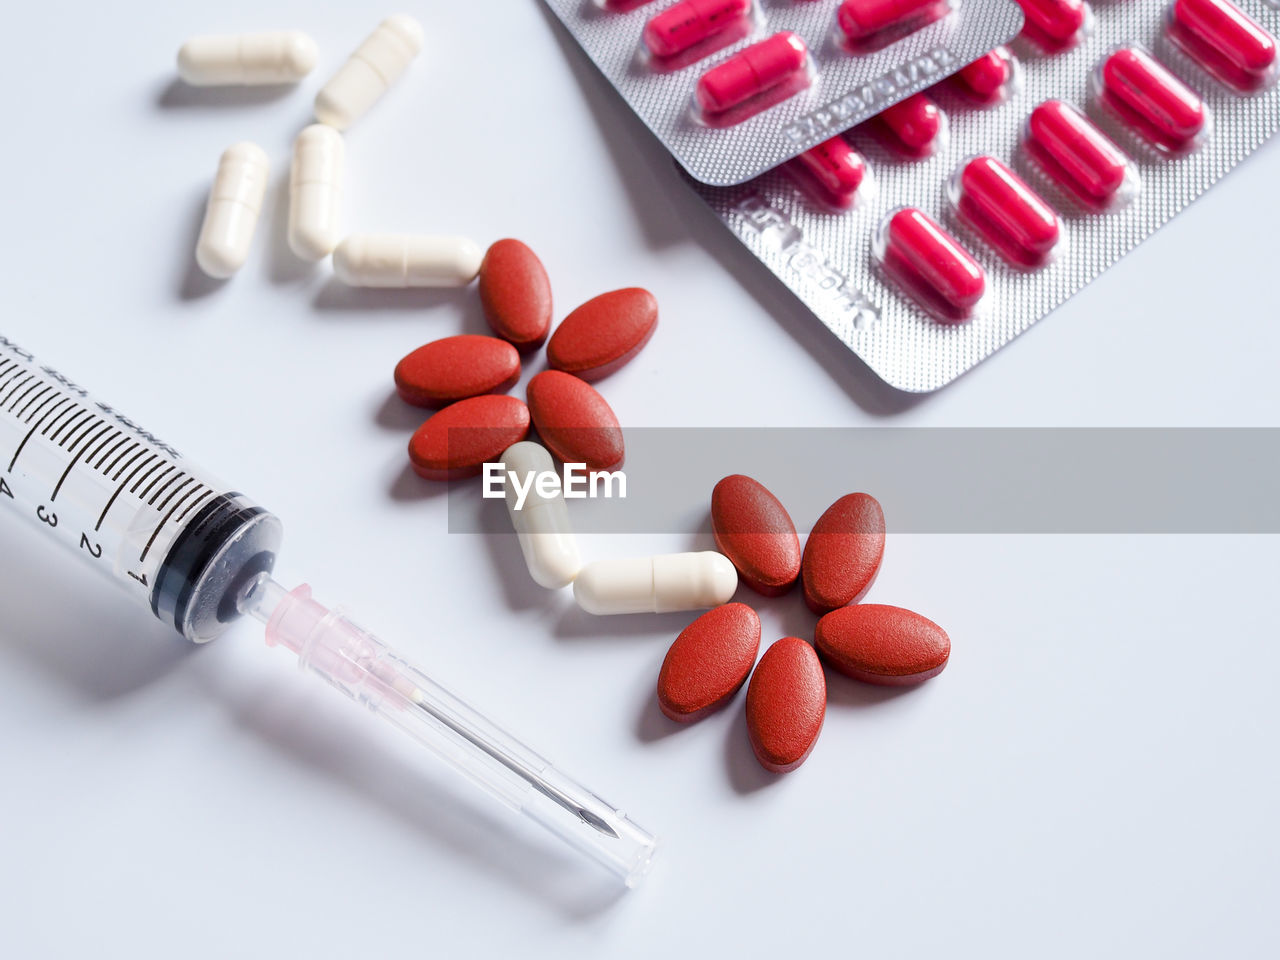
(169, 532)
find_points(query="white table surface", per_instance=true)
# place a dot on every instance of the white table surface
(1094, 775)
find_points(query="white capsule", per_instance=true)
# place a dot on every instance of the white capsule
(369, 72)
(673, 581)
(406, 260)
(541, 522)
(247, 59)
(315, 191)
(232, 211)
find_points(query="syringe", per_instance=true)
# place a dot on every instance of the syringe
(201, 554)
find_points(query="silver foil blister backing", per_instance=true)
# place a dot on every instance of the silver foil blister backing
(847, 90)
(825, 258)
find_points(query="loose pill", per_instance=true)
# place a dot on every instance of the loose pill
(231, 215)
(914, 124)
(689, 22)
(836, 168)
(1225, 40)
(1011, 216)
(369, 72)
(1057, 20)
(247, 59)
(786, 705)
(751, 71)
(753, 529)
(860, 19)
(709, 662)
(882, 644)
(315, 192)
(455, 368)
(575, 421)
(1155, 103)
(540, 516)
(516, 294)
(604, 333)
(460, 439)
(406, 260)
(1076, 153)
(930, 262)
(661, 584)
(985, 78)
(843, 553)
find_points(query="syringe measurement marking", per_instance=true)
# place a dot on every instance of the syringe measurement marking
(84, 432)
(159, 527)
(141, 479)
(102, 446)
(22, 396)
(172, 493)
(124, 439)
(154, 481)
(112, 465)
(106, 428)
(46, 416)
(18, 386)
(46, 389)
(165, 486)
(77, 430)
(76, 413)
(194, 503)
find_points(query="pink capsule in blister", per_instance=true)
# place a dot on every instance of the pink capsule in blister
(776, 64)
(1225, 40)
(1010, 216)
(1054, 24)
(913, 125)
(987, 79)
(861, 19)
(833, 170)
(1077, 155)
(929, 264)
(691, 22)
(1150, 100)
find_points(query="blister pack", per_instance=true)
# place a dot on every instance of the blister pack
(933, 235)
(735, 87)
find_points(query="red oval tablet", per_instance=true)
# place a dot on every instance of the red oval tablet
(604, 333)
(454, 368)
(576, 423)
(461, 438)
(1150, 99)
(753, 529)
(1075, 153)
(931, 264)
(1011, 216)
(709, 662)
(914, 123)
(881, 644)
(786, 704)
(516, 294)
(843, 553)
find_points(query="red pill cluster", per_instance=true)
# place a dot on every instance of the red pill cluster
(714, 656)
(464, 377)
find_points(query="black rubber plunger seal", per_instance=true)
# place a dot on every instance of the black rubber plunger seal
(224, 519)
